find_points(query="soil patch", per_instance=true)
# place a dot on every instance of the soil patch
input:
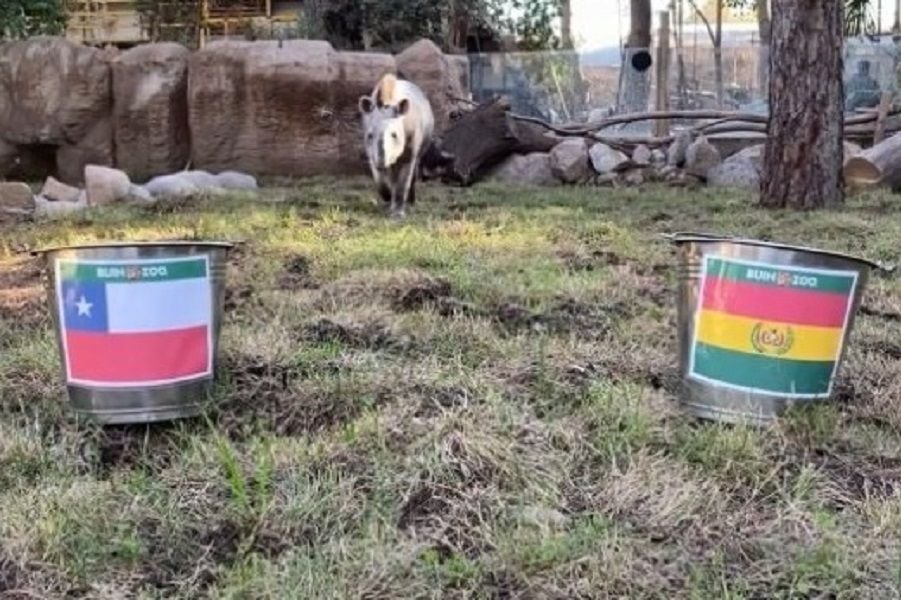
(297, 274)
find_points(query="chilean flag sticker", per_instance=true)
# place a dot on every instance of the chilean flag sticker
(134, 323)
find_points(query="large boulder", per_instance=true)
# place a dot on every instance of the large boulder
(739, 171)
(675, 155)
(55, 96)
(605, 159)
(233, 180)
(525, 169)
(150, 87)
(356, 75)
(15, 195)
(267, 108)
(438, 75)
(569, 161)
(56, 190)
(700, 157)
(105, 185)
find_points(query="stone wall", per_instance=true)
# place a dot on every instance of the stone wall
(56, 107)
(267, 108)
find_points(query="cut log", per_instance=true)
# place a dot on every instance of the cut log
(879, 165)
(483, 138)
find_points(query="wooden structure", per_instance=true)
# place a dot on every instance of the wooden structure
(100, 22)
(230, 17)
(121, 23)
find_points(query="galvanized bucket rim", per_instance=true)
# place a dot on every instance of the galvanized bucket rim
(687, 237)
(143, 244)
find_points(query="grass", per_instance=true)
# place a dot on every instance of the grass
(479, 402)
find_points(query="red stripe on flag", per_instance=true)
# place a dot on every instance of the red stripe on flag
(773, 303)
(137, 357)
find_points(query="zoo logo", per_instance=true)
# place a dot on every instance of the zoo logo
(773, 339)
(783, 278)
(133, 273)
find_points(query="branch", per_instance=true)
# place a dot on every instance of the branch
(706, 22)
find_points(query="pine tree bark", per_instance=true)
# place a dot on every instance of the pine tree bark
(803, 154)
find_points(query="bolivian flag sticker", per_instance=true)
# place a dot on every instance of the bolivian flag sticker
(770, 329)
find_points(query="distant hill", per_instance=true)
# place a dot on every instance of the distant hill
(601, 57)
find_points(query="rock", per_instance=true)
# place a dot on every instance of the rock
(852, 149)
(608, 180)
(677, 150)
(634, 177)
(56, 95)
(267, 107)
(139, 194)
(170, 186)
(233, 180)
(203, 181)
(667, 171)
(700, 157)
(569, 161)
(605, 159)
(658, 157)
(356, 74)
(752, 154)
(424, 64)
(528, 169)
(59, 208)
(641, 155)
(105, 185)
(56, 190)
(735, 171)
(15, 195)
(150, 117)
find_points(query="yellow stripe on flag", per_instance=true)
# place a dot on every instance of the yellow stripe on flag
(769, 338)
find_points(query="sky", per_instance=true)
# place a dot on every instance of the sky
(601, 23)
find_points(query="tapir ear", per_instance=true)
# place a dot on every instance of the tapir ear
(366, 105)
(403, 108)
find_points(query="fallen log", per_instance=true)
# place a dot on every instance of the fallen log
(878, 165)
(696, 115)
(481, 139)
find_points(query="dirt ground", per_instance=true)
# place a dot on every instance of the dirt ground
(479, 402)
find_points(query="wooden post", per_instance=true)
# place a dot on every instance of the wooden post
(885, 103)
(662, 127)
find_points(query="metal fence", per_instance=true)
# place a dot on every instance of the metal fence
(570, 87)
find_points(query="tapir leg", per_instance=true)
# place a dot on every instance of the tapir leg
(385, 192)
(402, 189)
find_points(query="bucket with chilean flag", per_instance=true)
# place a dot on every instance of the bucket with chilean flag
(137, 326)
(762, 326)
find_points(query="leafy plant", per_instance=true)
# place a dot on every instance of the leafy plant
(20, 19)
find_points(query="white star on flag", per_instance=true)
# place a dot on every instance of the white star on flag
(84, 307)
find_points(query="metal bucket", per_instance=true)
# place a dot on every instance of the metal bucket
(762, 326)
(137, 326)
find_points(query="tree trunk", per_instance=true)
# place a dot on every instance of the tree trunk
(718, 54)
(566, 19)
(803, 155)
(483, 138)
(635, 84)
(640, 24)
(879, 165)
(763, 27)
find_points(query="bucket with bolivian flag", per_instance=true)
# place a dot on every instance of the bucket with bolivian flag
(762, 326)
(137, 326)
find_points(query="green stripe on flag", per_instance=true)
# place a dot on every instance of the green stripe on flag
(763, 373)
(138, 271)
(800, 279)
